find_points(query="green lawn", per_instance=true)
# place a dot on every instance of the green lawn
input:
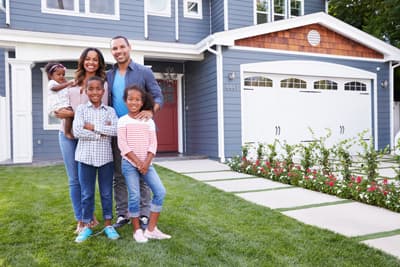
(208, 228)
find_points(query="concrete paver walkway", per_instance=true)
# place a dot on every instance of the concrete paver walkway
(348, 218)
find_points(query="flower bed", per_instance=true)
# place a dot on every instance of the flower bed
(370, 189)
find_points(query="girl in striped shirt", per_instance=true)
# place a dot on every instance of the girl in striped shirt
(137, 141)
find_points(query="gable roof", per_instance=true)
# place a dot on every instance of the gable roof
(228, 38)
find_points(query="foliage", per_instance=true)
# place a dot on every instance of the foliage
(368, 189)
(380, 18)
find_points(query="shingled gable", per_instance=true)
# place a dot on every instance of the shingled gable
(337, 38)
(328, 42)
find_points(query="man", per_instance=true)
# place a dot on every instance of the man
(123, 74)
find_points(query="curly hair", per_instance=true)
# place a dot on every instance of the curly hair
(147, 99)
(80, 72)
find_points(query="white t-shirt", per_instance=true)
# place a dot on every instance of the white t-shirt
(57, 100)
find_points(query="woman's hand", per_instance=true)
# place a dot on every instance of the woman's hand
(64, 113)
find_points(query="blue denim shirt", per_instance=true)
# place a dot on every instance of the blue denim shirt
(136, 75)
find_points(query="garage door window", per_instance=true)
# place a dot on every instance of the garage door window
(258, 81)
(355, 86)
(325, 85)
(293, 83)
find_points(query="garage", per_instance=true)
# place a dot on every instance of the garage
(287, 105)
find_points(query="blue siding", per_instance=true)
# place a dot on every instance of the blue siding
(240, 13)
(27, 15)
(201, 107)
(313, 6)
(2, 73)
(234, 58)
(217, 16)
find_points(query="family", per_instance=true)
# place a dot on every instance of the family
(108, 132)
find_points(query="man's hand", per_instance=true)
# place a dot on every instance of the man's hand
(144, 115)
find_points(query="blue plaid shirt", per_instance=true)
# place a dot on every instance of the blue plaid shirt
(94, 147)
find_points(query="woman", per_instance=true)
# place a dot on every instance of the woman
(91, 63)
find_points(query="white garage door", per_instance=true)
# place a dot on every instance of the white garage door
(285, 107)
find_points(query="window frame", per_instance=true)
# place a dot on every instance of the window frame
(69, 75)
(267, 12)
(191, 15)
(290, 8)
(85, 13)
(165, 13)
(3, 5)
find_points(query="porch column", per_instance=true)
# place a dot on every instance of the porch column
(21, 95)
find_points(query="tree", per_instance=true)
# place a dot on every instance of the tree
(380, 18)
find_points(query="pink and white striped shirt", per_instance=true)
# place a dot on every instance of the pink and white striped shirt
(138, 136)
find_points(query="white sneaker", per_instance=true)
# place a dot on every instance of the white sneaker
(139, 237)
(156, 234)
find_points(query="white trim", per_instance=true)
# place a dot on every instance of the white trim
(192, 15)
(5, 129)
(8, 12)
(166, 12)
(392, 116)
(21, 83)
(226, 21)
(86, 12)
(176, 21)
(220, 105)
(146, 21)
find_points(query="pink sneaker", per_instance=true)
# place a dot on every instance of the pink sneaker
(156, 234)
(139, 237)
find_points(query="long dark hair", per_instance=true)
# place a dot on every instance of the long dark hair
(81, 72)
(147, 99)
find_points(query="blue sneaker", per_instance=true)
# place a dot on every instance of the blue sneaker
(111, 233)
(85, 234)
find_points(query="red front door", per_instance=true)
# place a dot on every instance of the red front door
(167, 119)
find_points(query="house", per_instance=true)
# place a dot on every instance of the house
(232, 71)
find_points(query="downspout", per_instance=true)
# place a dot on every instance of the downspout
(176, 21)
(226, 15)
(220, 102)
(391, 88)
(146, 28)
(8, 20)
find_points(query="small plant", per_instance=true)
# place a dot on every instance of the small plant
(306, 151)
(271, 153)
(290, 151)
(341, 151)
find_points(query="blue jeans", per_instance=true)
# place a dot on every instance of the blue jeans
(132, 177)
(87, 178)
(67, 147)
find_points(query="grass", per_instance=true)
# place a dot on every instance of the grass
(209, 228)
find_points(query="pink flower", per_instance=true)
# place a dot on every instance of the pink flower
(371, 189)
(385, 181)
(359, 179)
(331, 183)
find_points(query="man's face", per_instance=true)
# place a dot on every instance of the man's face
(120, 50)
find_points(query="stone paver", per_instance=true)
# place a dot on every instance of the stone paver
(287, 198)
(388, 244)
(349, 219)
(208, 176)
(200, 165)
(241, 185)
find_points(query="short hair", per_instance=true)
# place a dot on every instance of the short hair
(121, 37)
(147, 99)
(95, 78)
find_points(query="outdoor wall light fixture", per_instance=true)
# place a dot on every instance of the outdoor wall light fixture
(231, 75)
(384, 83)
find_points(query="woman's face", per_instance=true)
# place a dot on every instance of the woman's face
(91, 62)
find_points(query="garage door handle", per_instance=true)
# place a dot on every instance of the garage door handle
(277, 130)
(341, 129)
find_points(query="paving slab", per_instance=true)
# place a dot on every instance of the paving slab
(288, 198)
(349, 219)
(220, 175)
(388, 244)
(241, 185)
(187, 166)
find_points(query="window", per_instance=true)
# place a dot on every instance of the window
(50, 122)
(296, 8)
(159, 7)
(262, 11)
(193, 9)
(105, 9)
(2, 4)
(279, 9)
(325, 85)
(355, 86)
(293, 83)
(258, 81)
